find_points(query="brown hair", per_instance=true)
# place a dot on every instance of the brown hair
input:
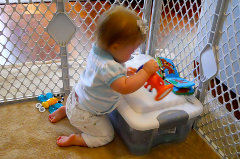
(118, 24)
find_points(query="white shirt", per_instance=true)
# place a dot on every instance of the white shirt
(94, 89)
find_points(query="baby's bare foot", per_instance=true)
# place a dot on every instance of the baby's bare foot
(72, 140)
(58, 114)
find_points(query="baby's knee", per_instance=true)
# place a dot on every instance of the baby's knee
(108, 138)
(99, 141)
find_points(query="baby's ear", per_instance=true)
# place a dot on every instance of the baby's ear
(115, 46)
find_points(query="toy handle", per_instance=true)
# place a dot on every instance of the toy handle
(139, 68)
(161, 71)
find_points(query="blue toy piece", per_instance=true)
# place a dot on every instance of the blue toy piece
(48, 96)
(42, 98)
(54, 107)
(58, 105)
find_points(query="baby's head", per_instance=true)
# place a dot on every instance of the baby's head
(120, 30)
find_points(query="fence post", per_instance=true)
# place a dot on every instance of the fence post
(207, 74)
(57, 29)
(157, 7)
(147, 7)
(65, 71)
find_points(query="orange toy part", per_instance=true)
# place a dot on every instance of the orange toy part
(55, 100)
(155, 81)
(50, 101)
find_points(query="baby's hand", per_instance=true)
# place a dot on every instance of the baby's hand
(151, 67)
(131, 71)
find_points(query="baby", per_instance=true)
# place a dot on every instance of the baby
(118, 33)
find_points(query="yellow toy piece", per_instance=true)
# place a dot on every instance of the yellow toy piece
(52, 101)
(45, 104)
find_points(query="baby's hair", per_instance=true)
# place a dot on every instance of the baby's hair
(118, 25)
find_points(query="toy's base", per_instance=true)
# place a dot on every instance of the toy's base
(183, 93)
(166, 89)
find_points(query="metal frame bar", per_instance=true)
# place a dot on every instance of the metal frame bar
(146, 15)
(157, 6)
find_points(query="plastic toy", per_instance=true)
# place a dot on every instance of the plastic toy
(49, 101)
(183, 91)
(181, 85)
(155, 81)
(54, 107)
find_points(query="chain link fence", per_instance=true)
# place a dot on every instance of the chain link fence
(30, 58)
(181, 31)
(33, 60)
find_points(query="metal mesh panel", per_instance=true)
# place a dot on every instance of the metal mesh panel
(29, 59)
(219, 123)
(176, 35)
(35, 61)
(183, 30)
(84, 15)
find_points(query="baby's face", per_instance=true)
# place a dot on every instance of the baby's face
(123, 53)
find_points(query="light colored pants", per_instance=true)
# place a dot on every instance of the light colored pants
(97, 130)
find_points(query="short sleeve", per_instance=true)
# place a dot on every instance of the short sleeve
(112, 70)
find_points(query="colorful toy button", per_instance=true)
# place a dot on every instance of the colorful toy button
(38, 105)
(42, 109)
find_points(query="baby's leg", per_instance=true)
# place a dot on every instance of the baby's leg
(98, 133)
(72, 140)
(59, 114)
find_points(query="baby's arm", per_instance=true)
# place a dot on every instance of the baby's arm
(126, 85)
